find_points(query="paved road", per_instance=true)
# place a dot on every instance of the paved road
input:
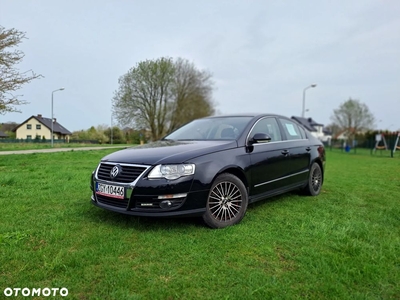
(58, 150)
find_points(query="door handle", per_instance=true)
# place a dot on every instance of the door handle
(308, 149)
(285, 152)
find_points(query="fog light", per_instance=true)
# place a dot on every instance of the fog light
(172, 196)
(165, 204)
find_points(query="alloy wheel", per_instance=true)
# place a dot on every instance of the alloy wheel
(316, 179)
(225, 201)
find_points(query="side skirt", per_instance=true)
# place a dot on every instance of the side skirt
(272, 193)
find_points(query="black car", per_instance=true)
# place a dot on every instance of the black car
(211, 167)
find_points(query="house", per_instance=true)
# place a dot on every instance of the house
(346, 133)
(3, 135)
(39, 127)
(315, 128)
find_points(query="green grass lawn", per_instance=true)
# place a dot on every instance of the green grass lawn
(365, 151)
(343, 244)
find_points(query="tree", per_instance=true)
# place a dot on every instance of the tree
(353, 117)
(133, 136)
(117, 136)
(161, 95)
(91, 134)
(9, 126)
(11, 79)
(191, 92)
(333, 128)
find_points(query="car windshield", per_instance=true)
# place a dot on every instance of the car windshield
(224, 128)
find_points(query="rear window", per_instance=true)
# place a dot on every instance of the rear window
(291, 129)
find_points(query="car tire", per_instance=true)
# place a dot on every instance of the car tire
(227, 202)
(314, 184)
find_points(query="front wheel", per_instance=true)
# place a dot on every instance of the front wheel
(227, 202)
(314, 184)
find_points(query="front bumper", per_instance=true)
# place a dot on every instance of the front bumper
(157, 198)
(150, 213)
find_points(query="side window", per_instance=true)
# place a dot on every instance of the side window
(303, 133)
(268, 126)
(28, 126)
(291, 129)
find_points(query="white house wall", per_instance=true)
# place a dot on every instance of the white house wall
(23, 132)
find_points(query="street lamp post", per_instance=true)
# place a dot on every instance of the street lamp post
(304, 98)
(52, 118)
(111, 132)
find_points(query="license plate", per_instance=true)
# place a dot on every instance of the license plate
(108, 190)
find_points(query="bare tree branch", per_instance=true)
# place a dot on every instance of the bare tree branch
(162, 95)
(353, 117)
(11, 79)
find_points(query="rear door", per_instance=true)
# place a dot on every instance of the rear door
(299, 151)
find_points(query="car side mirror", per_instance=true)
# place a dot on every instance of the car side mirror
(260, 138)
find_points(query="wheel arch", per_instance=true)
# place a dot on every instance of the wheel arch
(228, 205)
(319, 162)
(238, 172)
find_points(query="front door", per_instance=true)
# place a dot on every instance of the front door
(270, 163)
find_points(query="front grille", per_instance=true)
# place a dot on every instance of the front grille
(129, 173)
(122, 203)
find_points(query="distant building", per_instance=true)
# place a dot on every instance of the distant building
(346, 133)
(316, 129)
(9, 126)
(40, 127)
(3, 135)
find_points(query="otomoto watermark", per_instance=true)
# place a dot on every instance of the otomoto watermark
(32, 292)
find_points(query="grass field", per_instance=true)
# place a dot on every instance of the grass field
(365, 151)
(343, 244)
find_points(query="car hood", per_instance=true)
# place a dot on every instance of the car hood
(168, 152)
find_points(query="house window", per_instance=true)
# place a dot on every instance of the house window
(28, 126)
(28, 137)
(38, 126)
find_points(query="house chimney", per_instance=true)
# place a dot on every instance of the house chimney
(39, 115)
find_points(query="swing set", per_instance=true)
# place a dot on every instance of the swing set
(380, 143)
(396, 144)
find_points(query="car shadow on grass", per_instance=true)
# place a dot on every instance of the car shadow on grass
(290, 196)
(97, 215)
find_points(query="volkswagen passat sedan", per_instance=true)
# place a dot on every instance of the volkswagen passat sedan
(211, 167)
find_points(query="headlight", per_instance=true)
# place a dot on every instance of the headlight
(171, 172)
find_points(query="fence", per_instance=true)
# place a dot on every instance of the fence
(44, 141)
(367, 145)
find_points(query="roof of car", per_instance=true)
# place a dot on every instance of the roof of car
(245, 115)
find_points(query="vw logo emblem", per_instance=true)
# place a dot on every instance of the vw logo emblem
(115, 171)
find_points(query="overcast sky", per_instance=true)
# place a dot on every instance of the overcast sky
(262, 54)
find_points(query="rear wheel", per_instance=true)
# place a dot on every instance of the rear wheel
(314, 184)
(227, 202)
